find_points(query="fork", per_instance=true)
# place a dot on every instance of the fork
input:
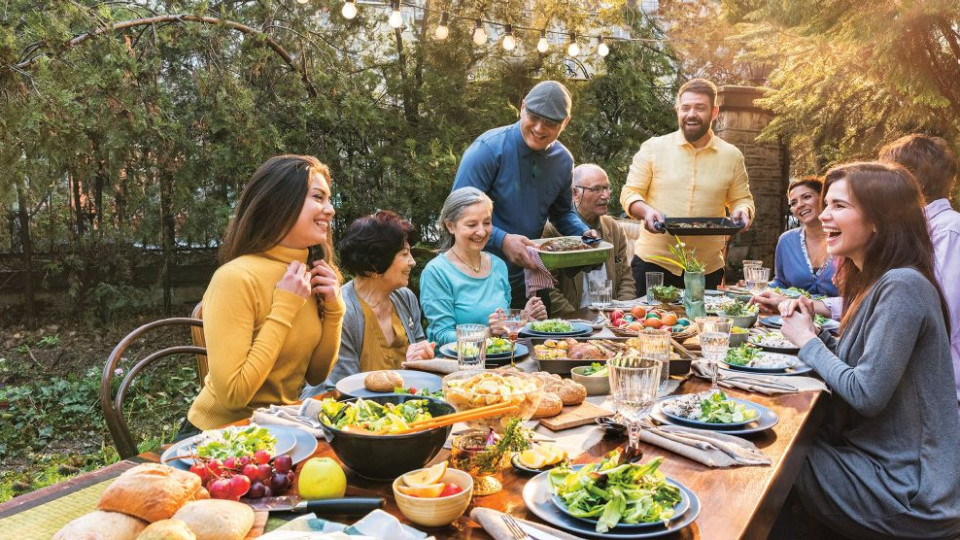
(514, 528)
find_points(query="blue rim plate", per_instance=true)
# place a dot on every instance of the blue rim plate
(773, 321)
(450, 351)
(712, 292)
(709, 425)
(783, 350)
(352, 386)
(577, 329)
(515, 461)
(765, 421)
(286, 444)
(538, 499)
(798, 369)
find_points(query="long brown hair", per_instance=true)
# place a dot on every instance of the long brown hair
(888, 197)
(270, 205)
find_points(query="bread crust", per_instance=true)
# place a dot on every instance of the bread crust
(550, 405)
(99, 525)
(382, 381)
(151, 492)
(217, 519)
(167, 529)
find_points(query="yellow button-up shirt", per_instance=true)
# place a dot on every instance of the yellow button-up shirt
(679, 180)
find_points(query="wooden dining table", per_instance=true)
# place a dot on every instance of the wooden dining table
(740, 502)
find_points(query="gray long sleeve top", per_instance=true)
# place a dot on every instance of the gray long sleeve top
(888, 459)
(351, 341)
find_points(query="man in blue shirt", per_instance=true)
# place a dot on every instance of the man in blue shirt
(527, 173)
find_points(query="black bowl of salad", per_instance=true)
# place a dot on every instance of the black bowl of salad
(359, 431)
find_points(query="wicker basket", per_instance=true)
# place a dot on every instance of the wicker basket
(679, 336)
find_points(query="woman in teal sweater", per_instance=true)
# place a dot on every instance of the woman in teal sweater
(465, 284)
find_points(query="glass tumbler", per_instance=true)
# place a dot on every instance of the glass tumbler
(472, 346)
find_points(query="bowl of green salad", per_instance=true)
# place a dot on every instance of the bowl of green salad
(744, 315)
(595, 378)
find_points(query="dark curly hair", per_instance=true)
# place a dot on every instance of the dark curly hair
(371, 243)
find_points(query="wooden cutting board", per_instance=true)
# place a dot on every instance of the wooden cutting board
(574, 416)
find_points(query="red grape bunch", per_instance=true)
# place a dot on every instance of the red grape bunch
(250, 476)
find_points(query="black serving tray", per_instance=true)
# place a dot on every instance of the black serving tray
(704, 226)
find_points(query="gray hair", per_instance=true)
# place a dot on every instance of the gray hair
(453, 207)
(582, 169)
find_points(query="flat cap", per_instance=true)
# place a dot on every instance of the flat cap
(550, 100)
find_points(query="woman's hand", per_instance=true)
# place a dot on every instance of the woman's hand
(421, 350)
(296, 280)
(768, 301)
(535, 308)
(324, 281)
(493, 321)
(798, 324)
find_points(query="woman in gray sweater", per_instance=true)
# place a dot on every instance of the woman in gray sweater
(885, 464)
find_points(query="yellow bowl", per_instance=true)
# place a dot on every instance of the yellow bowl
(436, 511)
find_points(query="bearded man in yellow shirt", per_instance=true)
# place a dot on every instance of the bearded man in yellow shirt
(688, 173)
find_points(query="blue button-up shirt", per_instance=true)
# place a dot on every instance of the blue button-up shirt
(526, 187)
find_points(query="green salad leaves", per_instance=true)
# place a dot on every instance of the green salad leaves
(596, 369)
(742, 355)
(718, 409)
(236, 442)
(613, 493)
(551, 325)
(371, 416)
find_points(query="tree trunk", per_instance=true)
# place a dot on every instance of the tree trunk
(26, 244)
(167, 239)
(77, 204)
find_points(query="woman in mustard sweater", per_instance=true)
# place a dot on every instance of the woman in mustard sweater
(271, 318)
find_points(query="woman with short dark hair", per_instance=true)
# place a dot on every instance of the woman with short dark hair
(381, 327)
(884, 464)
(802, 260)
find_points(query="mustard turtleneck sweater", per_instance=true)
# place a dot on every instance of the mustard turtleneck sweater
(262, 342)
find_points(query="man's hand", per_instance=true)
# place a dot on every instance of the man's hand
(514, 248)
(648, 214)
(743, 216)
(592, 233)
(768, 301)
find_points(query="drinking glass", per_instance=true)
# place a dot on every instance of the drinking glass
(655, 343)
(654, 279)
(714, 344)
(601, 293)
(513, 321)
(750, 263)
(470, 453)
(634, 381)
(472, 346)
(758, 279)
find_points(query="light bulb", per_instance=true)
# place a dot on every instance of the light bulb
(479, 34)
(573, 49)
(603, 49)
(509, 42)
(543, 45)
(442, 29)
(396, 19)
(349, 10)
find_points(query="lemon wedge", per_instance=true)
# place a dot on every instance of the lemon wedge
(428, 491)
(532, 459)
(426, 478)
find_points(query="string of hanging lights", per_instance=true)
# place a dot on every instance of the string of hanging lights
(480, 37)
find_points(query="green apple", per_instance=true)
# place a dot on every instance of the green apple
(321, 478)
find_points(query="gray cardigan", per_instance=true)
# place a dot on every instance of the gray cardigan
(351, 339)
(886, 462)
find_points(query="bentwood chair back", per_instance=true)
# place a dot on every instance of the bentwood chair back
(196, 333)
(113, 405)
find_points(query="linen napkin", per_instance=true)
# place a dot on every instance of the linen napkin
(435, 365)
(492, 522)
(703, 446)
(539, 277)
(375, 525)
(769, 385)
(305, 416)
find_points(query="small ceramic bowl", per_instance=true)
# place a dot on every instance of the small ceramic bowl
(436, 511)
(743, 321)
(596, 386)
(737, 339)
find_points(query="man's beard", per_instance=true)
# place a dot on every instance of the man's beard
(695, 133)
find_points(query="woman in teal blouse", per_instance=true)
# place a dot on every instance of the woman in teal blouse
(465, 284)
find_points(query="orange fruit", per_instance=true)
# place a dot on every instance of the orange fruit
(638, 312)
(635, 326)
(669, 319)
(652, 322)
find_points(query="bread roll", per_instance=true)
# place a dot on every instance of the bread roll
(151, 492)
(167, 529)
(572, 392)
(382, 381)
(217, 519)
(99, 525)
(550, 405)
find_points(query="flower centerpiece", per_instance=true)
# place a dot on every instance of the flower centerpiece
(694, 281)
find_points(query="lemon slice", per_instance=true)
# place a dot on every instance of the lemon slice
(551, 454)
(428, 491)
(532, 459)
(426, 477)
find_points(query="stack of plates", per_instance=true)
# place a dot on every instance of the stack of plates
(540, 501)
(578, 329)
(293, 441)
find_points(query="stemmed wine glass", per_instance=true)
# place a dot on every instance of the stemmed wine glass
(634, 381)
(512, 322)
(714, 343)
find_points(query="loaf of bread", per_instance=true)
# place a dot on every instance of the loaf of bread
(550, 405)
(382, 381)
(102, 526)
(217, 519)
(167, 529)
(572, 392)
(152, 492)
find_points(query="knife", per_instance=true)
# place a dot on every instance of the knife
(535, 533)
(352, 506)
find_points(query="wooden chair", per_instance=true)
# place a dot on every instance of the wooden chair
(196, 333)
(113, 406)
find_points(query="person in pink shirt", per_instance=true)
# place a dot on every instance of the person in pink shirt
(934, 165)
